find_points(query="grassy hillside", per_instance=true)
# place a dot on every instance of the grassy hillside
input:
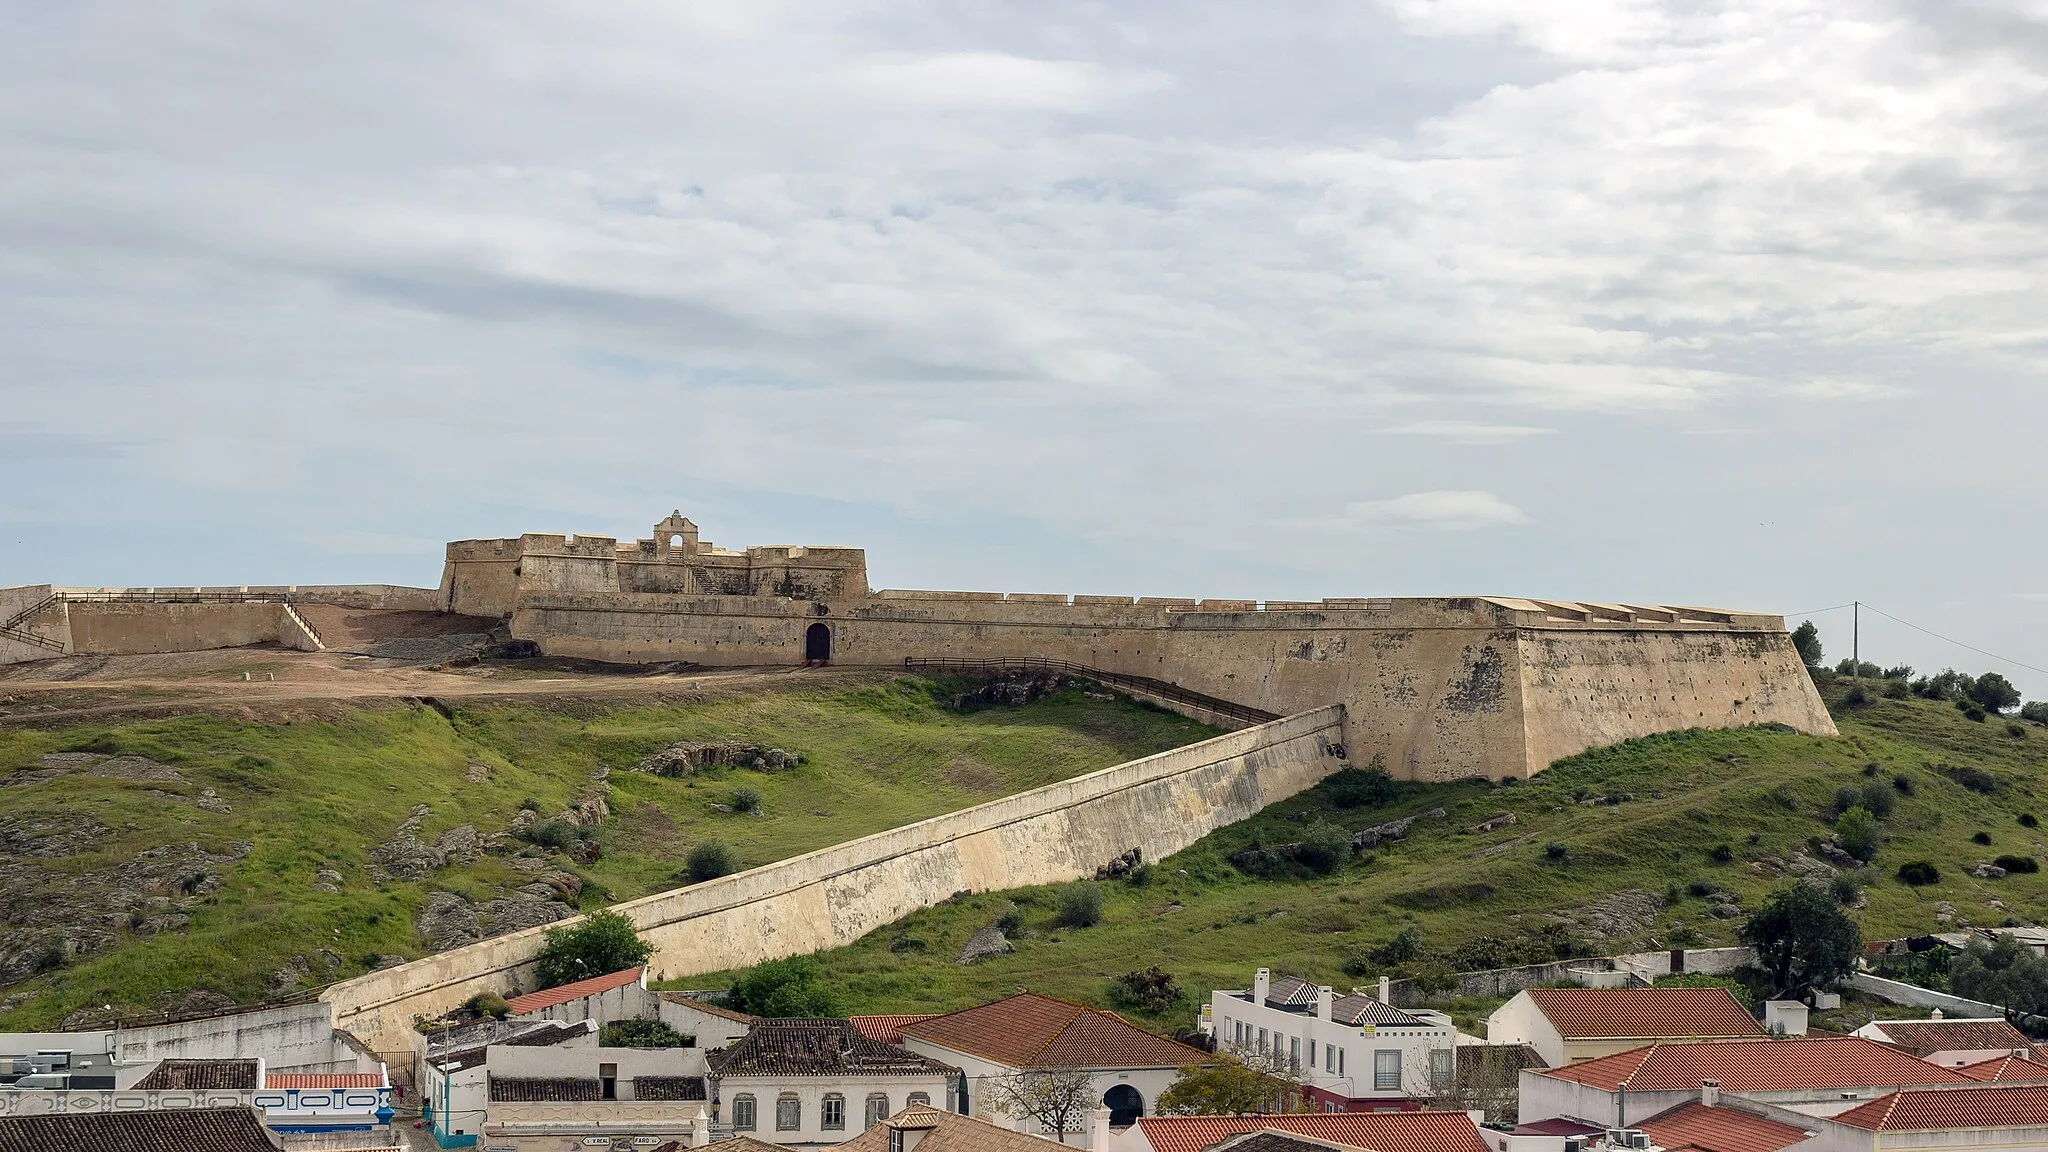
(1574, 869)
(174, 862)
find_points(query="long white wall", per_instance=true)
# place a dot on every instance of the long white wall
(1158, 804)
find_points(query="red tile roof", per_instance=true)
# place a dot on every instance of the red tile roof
(1033, 1031)
(563, 993)
(884, 1028)
(1937, 1109)
(1696, 1126)
(2007, 1069)
(191, 1130)
(1921, 1037)
(1380, 1131)
(313, 1080)
(1645, 1013)
(705, 1006)
(200, 1076)
(1758, 1066)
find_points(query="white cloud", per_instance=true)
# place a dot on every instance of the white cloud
(1441, 511)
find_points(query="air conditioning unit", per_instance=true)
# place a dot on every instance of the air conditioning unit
(1627, 1138)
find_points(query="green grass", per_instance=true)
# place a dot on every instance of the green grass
(1762, 792)
(322, 793)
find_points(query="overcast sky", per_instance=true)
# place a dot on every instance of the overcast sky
(1680, 301)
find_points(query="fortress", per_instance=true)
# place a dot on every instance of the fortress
(1440, 688)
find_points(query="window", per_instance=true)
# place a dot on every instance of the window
(832, 1114)
(1386, 1070)
(924, 1098)
(1262, 1039)
(1340, 1061)
(743, 1113)
(1329, 1058)
(1442, 1063)
(1311, 1055)
(789, 1113)
(1294, 1053)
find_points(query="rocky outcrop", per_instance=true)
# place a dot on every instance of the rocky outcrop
(49, 917)
(1013, 689)
(407, 856)
(1379, 834)
(1121, 866)
(687, 757)
(450, 920)
(988, 942)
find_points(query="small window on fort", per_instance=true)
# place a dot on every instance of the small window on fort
(675, 543)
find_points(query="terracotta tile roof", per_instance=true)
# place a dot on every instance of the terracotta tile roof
(1696, 1126)
(669, 1088)
(200, 1075)
(194, 1130)
(706, 1006)
(884, 1028)
(945, 1132)
(540, 1090)
(1272, 1141)
(2007, 1069)
(1937, 1109)
(1921, 1037)
(1379, 1131)
(563, 993)
(1557, 1126)
(743, 1144)
(817, 1048)
(1033, 1031)
(303, 1081)
(1758, 1066)
(1645, 1013)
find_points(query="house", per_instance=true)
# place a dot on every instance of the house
(923, 1129)
(613, 996)
(1129, 1067)
(1427, 1131)
(812, 1083)
(1810, 1075)
(301, 1107)
(1950, 1043)
(1707, 1127)
(887, 1029)
(1567, 1025)
(1978, 1116)
(2022, 1066)
(186, 1130)
(455, 1075)
(1353, 1053)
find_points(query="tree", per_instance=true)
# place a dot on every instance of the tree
(2035, 710)
(1857, 833)
(1806, 640)
(2008, 974)
(1152, 990)
(1994, 692)
(1080, 905)
(1237, 1083)
(782, 989)
(1803, 941)
(1483, 1078)
(709, 861)
(605, 942)
(1055, 1097)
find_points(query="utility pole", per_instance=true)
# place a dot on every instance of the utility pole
(1856, 638)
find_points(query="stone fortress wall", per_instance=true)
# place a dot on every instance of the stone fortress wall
(834, 896)
(1441, 688)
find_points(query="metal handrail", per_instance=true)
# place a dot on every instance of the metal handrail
(1144, 684)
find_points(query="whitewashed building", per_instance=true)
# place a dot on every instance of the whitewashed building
(1353, 1053)
(807, 1083)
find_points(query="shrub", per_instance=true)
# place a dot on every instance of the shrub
(529, 805)
(1975, 779)
(489, 1004)
(783, 988)
(1367, 787)
(2027, 820)
(1324, 847)
(709, 861)
(605, 942)
(1871, 795)
(1139, 877)
(1405, 946)
(1011, 922)
(1556, 852)
(639, 1033)
(1857, 831)
(1721, 854)
(1899, 672)
(1981, 838)
(1080, 905)
(2035, 710)
(1152, 990)
(747, 800)
(2016, 730)
(1919, 873)
(902, 944)
(1975, 714)
(1847, 890)
(1701, 888)
(1903, 785)
(2018, 863)
(1806, 641)
(1855, 697)
(1896, 689)
(555, 833)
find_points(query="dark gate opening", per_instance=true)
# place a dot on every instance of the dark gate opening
(817, 644)
(1125, 1105)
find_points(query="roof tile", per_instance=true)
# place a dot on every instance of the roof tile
(317, 1080)
(1379, 1131)
(194, 1130)
(1921, 1037)
(2007, 1069)
(802, 1047)
(1645, 1013)
(1695, 1126)
(885, 1028)
(200, 1075)
(1940, 1109)
(1758, 1066)
(563, 993)
(1033, 1031)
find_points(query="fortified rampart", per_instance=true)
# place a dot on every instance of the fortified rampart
(1065, 831)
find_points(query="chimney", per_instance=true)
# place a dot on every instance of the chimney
(1262, 985)
(1098, 1129)
(700, 1129)
(1934, 1015)
(1326, 1002)
(1710, 1093)
(1386, 989)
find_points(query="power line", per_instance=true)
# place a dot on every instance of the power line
(1956, 642)
(1819, 611)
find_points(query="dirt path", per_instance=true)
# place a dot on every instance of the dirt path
(84, 687)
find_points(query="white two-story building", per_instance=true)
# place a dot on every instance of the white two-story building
(1352, 1053)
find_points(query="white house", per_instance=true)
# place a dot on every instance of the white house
(1951, 1042)
(813, 1083)
(1129, 1067)
(1353, 1053)
(455, 1075)
(1567, 1025)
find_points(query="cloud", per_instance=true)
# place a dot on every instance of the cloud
(1437, 511)
(1458, 432)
